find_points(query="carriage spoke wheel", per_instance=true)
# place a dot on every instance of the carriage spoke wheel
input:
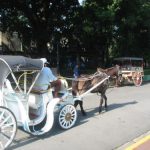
(67, 116)
(8, 127)
(137, 79)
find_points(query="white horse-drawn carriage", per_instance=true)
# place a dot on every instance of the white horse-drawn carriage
(21, 106)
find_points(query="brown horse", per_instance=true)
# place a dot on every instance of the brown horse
(85, 83)
(113, 72)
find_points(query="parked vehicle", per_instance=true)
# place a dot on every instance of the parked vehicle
(131, 69)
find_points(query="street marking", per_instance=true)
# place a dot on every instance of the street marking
(138, 143)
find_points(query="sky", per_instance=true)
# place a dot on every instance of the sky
(80, 1)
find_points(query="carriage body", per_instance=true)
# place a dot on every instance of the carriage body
(20, 105)
(131, 70)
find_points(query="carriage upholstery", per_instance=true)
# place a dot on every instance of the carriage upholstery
(8, 85)
(34, 100)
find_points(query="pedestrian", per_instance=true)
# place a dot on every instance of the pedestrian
(76, 71)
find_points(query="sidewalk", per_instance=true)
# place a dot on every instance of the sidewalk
(140, 143)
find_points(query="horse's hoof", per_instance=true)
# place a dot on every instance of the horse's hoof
(100, 111)
(84, 114)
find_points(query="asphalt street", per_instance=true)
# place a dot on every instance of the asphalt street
(128, 117)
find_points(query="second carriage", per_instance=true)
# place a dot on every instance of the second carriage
(131, 70)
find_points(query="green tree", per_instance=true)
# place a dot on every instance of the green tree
(132, 32)
(42, 21)
(97, 28)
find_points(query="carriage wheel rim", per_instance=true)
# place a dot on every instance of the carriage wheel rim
(137, 80)
(67, 116)
(8, 127)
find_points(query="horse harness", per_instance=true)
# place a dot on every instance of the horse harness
(89, 78)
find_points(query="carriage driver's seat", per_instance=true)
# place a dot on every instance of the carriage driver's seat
(36, 97)
(35, 101)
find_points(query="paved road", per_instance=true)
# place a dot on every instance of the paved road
(128, 116)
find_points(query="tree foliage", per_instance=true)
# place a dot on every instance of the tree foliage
(133, 27)
(99, 29)
(42, 21)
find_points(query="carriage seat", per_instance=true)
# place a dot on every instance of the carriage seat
(36, 97)
(7, 84)
(35, 101)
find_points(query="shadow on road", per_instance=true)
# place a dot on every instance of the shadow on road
(23, 141)
(91, 112)
(29, 139)
(115, 106)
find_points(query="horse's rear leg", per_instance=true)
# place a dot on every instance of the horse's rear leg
(101, 103)
(81, 106)
(105, 101)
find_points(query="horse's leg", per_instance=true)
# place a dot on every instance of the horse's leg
(105, 101)
(116, 81)
(74, 93)
(76, 103)
(101, 103)
(80, 102)
(81, 107)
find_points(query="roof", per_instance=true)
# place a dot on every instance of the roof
(18, 63)
(128, 58)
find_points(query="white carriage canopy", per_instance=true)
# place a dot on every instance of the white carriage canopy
(10, 64)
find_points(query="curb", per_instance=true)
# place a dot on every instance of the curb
(135, 142)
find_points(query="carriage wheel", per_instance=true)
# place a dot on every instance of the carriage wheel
(137, 79)
(67, 116)
(8, 127)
